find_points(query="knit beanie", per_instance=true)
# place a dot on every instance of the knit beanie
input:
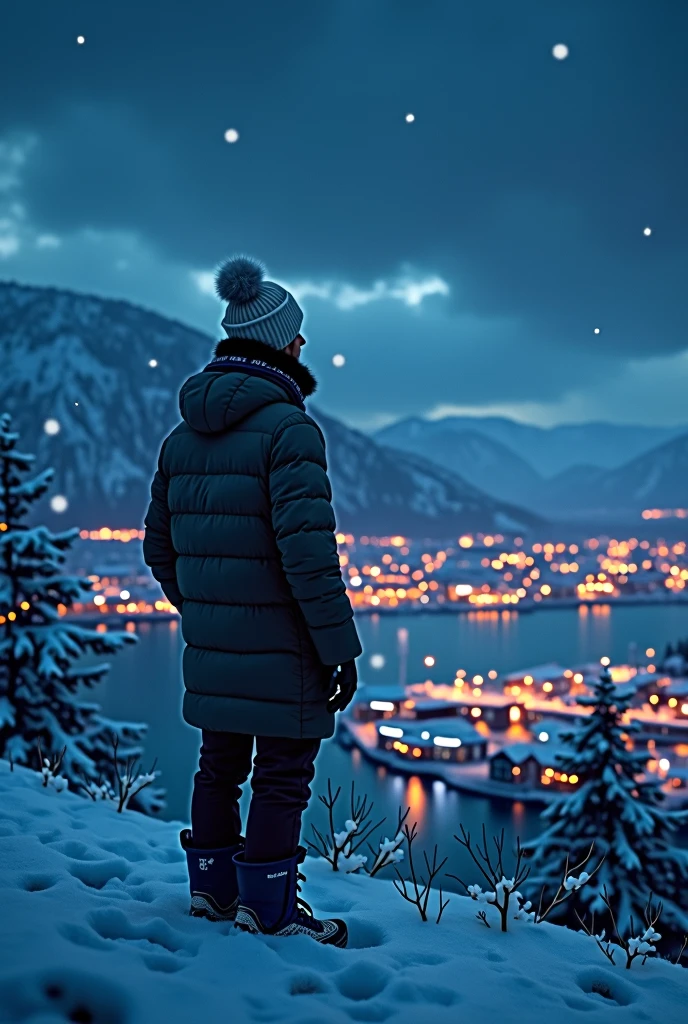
(258, 309)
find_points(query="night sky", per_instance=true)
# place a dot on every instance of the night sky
(460, 262)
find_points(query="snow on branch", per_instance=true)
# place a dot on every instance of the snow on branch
(130, 782)
(50, 769)
(390, 850)
(634, 946)
(491, 866)
(340, 848)
(569, 884)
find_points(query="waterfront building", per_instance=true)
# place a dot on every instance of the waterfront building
(548, 680)
(531, 765)
(373, 703)
(496, 710)
(436, 739)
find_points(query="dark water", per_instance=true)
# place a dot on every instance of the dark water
(144, 684)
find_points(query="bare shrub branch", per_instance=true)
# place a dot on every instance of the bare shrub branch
(490, 863)
(416, 889)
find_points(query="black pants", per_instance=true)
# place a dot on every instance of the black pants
(283, 770)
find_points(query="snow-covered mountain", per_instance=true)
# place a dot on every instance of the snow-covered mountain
(85, 362)
(383, 490)
(548, 451)
(657, 479)
(487, 464)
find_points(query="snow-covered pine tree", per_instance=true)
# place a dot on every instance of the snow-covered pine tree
(40, 650)
(619, 807)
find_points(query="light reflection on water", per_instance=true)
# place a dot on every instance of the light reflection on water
(145, 684)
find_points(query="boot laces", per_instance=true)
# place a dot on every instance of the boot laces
(300, 902)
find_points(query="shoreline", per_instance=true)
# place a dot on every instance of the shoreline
(524, 608)
(464, 780)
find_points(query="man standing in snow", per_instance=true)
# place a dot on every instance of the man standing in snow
(240, 535)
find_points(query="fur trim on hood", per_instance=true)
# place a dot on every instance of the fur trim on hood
(249, 348)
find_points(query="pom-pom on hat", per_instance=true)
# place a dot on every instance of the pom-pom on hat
(256, 308)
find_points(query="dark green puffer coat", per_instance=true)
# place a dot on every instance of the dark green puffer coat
(240, 535)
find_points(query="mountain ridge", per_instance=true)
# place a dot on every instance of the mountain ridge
(548, 450)
(86, 363)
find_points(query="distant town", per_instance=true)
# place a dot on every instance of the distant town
(481, 574)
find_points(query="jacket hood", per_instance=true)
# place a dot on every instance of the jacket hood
(242, 379)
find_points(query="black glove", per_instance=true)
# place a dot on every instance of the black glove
(342, 686)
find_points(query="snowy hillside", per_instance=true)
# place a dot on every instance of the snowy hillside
(85, 363)
(94, 929)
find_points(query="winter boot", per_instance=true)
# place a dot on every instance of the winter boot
(269, 904)
(212, 879)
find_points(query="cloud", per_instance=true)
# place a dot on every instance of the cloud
(648, 390)
(48, 242)
(417, 341)
(409, 288)
(9, 243)
(14, 152)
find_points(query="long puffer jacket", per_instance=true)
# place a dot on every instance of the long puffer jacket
(240, 535)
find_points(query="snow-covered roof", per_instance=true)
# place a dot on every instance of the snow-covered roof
(457, 728)
(517, 753)
(551, 729)
(540, 673)
(433, 703)
(378, 691)
(491, 700)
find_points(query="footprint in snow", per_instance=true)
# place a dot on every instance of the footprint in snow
(66, 994)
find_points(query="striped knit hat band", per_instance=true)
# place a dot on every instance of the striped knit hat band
(258, 309)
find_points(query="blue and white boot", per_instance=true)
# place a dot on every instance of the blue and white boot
(269, 903)
(212, 880)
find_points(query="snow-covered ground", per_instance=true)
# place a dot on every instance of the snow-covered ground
(94, 929)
